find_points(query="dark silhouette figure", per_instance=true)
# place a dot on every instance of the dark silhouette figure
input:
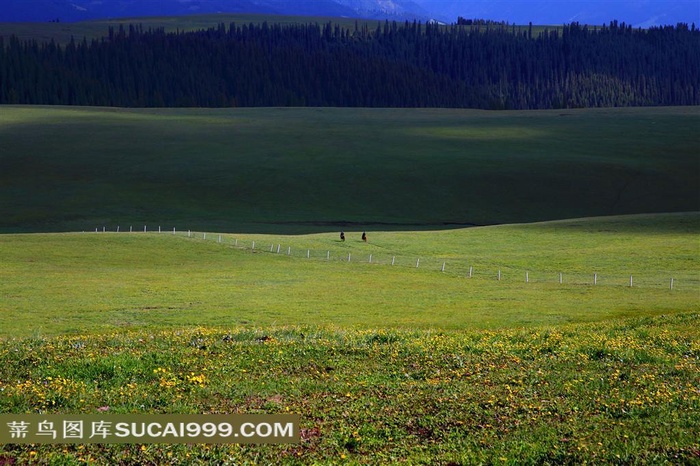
(364, 236)
(342, 236)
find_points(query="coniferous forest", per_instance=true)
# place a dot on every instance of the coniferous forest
(392, 65)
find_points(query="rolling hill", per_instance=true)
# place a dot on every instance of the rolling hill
(292, 170)
(104, 282)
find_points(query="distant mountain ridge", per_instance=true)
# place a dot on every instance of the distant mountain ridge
(638, 13)
(405, 9)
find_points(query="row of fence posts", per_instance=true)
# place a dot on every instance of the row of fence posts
(393, 258)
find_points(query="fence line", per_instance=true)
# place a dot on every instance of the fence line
(456, 267)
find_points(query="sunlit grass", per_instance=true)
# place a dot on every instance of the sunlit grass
(383, 363)
(71, 283)
(621, 391)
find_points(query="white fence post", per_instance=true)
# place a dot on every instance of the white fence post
(278, 248)
(370, 258)
(671, 283)
(499, 275)
(595, 278)
(393, 258)
(328, 256)
(417, 262)
(527, 277)
(443, 268)
(471, 270)
(561, 278)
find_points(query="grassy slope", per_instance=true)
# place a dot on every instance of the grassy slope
(99, 282)
(618, 391)
(295, 170)
(383, 364)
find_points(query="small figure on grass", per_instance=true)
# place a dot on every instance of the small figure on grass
(342, 236)
(364, 236)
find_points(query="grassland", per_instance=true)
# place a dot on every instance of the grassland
(311, 170)
(73, 283)
(619, 392)
(385, 363)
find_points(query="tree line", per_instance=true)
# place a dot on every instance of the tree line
(392, 65)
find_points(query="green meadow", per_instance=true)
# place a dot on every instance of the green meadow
(76, 282)
(384, 363)
(303, 170)
(613, 392)
(488, 319)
